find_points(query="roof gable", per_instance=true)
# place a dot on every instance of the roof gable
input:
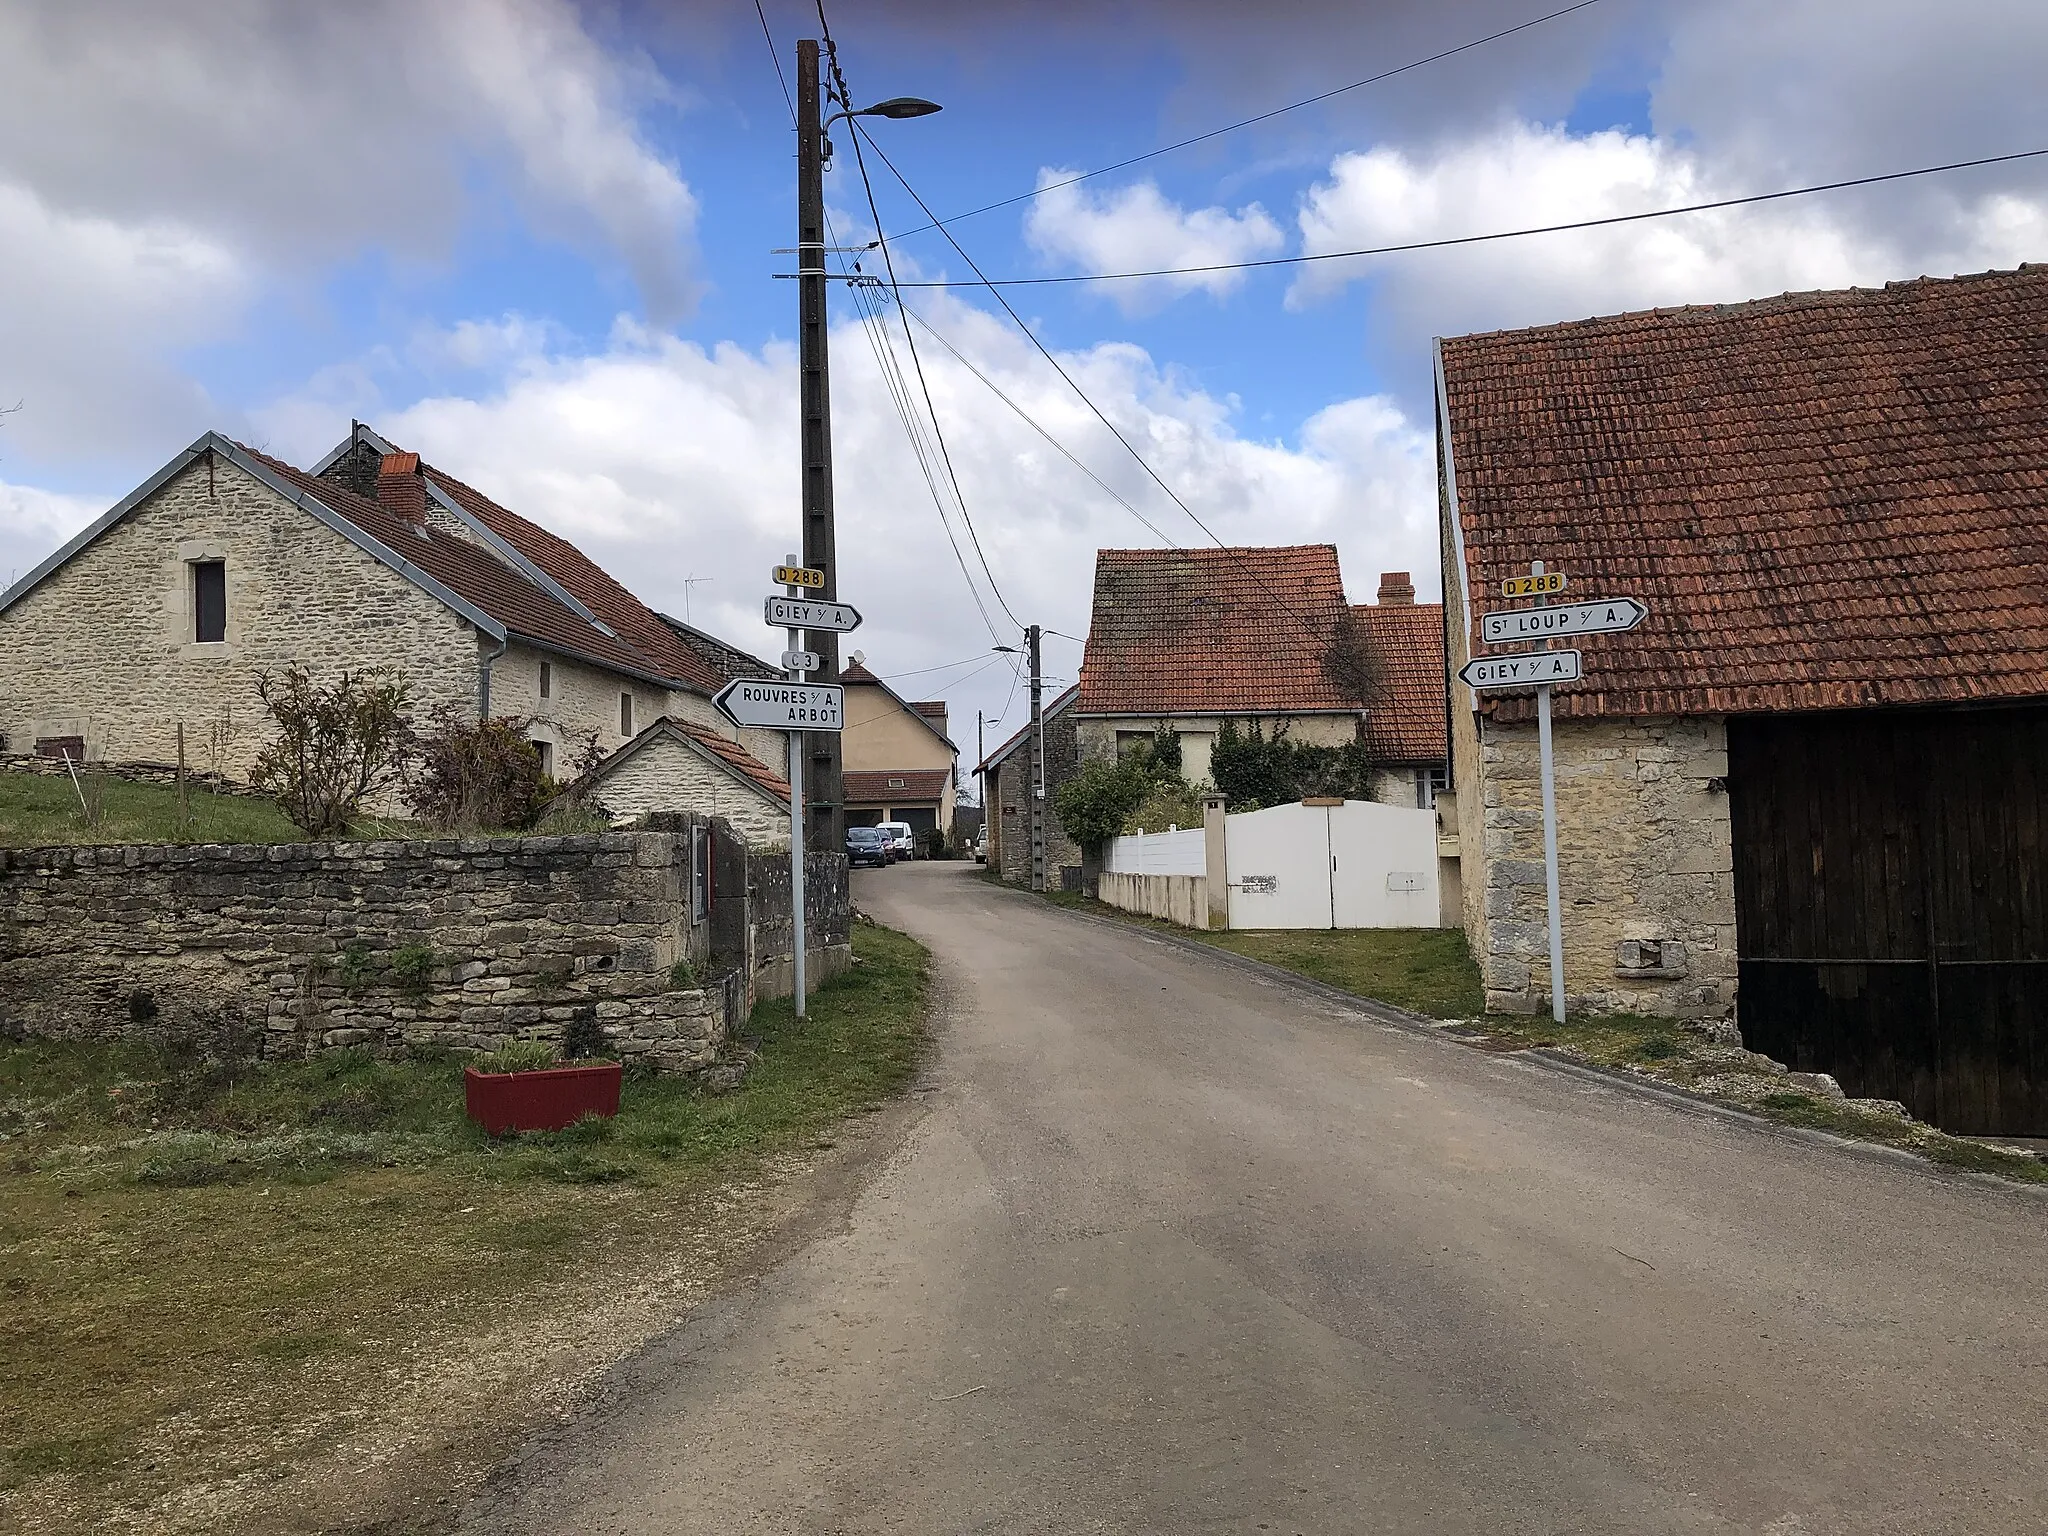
(1827, 500)
(1003, 753)
(857, 676)
(723, 753)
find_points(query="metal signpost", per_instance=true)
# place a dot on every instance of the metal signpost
(794, 706)
(1541, 669)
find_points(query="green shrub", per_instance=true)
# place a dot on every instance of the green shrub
(478, 774)
(412, 967)
(682, 974)
(355, 967)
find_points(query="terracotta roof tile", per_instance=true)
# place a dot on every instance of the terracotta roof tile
(1827, 500)
(896, 786)
(1405, 724)
(471, 573)
(1224, 631)
(735, 756)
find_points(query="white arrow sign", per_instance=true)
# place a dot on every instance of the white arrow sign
(808, 613)
(783, 706)
(1564, 619)
(1523, 671)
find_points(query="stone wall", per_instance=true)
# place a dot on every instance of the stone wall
(771, 937)
(1010, 796)
(1645, 866)
(103, 649)
(292, 948)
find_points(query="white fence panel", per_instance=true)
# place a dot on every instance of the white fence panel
(1382, 866)
(1279, 862)
(1159, 853)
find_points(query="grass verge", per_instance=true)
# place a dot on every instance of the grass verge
(191, 1252)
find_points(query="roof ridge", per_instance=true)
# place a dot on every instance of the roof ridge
(1791, 299)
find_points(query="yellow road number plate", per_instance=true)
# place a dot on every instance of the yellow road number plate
(799, 576)
(1534, 586)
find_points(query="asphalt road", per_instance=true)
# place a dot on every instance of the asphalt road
(1172, 1248)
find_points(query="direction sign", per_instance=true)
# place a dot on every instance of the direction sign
(799, 661)
(1564, 619)
(1525, 669)
(1533, 586)
(783, 706)
(808, 613)
(799, 576)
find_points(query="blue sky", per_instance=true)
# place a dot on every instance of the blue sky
(534, 241)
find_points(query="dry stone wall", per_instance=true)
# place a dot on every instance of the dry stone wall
(1645, 866)
(294, 948)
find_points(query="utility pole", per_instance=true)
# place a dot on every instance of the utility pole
(827, 821)
(1037, 767)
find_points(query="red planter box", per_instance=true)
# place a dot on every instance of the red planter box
(552, 1100)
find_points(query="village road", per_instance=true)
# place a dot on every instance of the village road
(1176, 1249)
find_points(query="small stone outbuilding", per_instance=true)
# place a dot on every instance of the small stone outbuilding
(1810, 792)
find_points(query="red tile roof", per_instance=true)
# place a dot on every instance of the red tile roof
(1405, 723)
(1213, 631)
(734, 756)
(931, 709)
(1827, 500)
(637, 625)
(471, 573)
(902, 786)
(854, 672)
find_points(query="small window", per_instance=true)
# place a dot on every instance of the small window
(209, 600)
(547, 680)
(546, 749)
(625, 714)
(700, 873)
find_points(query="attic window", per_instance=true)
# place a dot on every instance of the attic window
(547, 679)
(626, 714)
(896, 784)
(209, 601)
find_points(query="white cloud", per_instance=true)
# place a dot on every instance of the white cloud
(1526, 175)
(1136, 227)
(667, 460)
(34, 522)
(166, 169)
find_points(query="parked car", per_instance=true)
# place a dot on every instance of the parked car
(902, 841)
(867, 845)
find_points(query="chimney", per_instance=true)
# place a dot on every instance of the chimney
(1396, 590)
(400, 489)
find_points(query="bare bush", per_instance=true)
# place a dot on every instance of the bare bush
(336, 748)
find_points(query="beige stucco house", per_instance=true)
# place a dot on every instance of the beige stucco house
(228, 563)
(898, 760)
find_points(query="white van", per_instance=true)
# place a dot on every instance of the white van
(902, 841)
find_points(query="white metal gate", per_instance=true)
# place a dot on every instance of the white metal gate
(1353, 865)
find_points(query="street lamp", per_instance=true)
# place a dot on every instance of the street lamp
(895, 106)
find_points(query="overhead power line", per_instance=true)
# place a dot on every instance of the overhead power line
(993, 283)
(1213, 133)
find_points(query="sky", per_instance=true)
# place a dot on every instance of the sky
(538, 242)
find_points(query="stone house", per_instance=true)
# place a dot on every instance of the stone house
(897, 760)
(1189, 638)
(1811, 790)
(1006, 792)
(678, 762)
(228, 563)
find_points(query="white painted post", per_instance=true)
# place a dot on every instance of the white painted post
(796, 823)
(1550, 895)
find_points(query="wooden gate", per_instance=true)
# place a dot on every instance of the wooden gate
(1891, 899)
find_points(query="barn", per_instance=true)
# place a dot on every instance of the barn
(1809, 795)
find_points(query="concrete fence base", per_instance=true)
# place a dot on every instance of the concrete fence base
(1182, 899)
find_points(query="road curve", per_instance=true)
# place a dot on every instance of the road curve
(1177, 1249)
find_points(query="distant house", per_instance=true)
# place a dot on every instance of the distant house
(897, 759)
(1006, 773)
(228, 563)
(1812, 788)
(678, 764)
(1190, 638)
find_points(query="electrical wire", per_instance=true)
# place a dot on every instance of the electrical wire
(1319, 633)
(910, 341)
(994, 283)
(1295, 106)
(776, 59)
(890, 677)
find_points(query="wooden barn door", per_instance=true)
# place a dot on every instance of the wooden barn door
(1891, 892)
